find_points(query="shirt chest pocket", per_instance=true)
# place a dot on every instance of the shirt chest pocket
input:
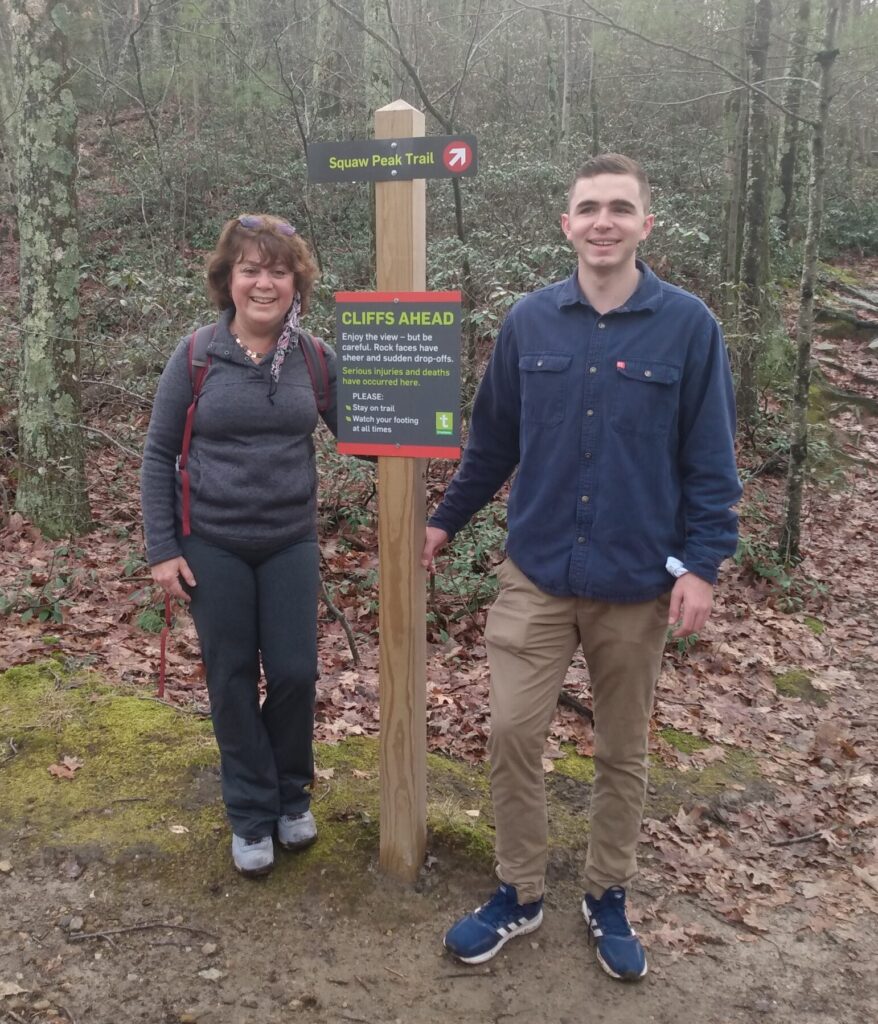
(644, 397)
(544, 382)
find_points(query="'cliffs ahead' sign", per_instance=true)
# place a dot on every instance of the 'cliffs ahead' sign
(399, 373)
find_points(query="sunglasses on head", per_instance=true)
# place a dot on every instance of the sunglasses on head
(253, 223)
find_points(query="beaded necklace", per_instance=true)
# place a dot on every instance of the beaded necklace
(255, 356)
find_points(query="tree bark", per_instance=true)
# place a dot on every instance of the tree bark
(790, 541)
(51, 485)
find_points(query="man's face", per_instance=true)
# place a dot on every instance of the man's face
(606, 221)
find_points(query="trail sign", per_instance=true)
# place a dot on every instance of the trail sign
(431, 156)
(399, 377)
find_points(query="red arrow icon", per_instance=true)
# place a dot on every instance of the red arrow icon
(457, 156)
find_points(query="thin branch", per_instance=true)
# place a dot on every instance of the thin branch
(79, 936)
(798, 839)
(117, 387)
(101, 77)
(339, 616)
(102, 433)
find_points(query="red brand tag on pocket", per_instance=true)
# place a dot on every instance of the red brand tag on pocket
(620, 365)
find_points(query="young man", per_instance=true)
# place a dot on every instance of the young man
(611, 395)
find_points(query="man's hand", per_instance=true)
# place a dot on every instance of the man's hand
(691, 601)
(434, 541)
(167, 575)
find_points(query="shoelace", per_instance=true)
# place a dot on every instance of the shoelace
(497, 908)
(609, 915)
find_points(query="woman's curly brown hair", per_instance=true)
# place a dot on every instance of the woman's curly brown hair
(273, 246)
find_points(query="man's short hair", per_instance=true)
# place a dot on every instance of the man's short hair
(613, 163)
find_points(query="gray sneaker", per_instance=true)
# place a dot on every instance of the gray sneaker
(296, 831)
(253, 857)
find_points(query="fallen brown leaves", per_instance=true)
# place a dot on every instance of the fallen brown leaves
(67, 769)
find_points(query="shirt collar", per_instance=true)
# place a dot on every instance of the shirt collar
(647, 296)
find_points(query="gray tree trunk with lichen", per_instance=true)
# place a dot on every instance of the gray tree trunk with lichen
(51, 482)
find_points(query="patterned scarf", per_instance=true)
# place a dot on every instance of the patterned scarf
(286, 341)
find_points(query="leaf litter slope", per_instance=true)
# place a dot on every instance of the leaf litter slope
(772, 808)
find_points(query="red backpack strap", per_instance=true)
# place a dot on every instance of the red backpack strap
(199, 364)
(318, 371)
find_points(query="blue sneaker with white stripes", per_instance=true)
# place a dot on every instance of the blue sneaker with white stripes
(619, 950)
(480, 935)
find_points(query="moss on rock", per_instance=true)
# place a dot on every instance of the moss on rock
(815, 625)
(797, 683)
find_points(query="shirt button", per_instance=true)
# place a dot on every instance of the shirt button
(592, 369)
(580, 540)
(602, 325)
(584, 499)
(589, 412)
(647, 373)
(587, 455)
(539, 362)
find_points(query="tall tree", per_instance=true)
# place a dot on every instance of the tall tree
(51, 483)
(792, 527)
(376, 66)
(789, 150)
(8, 101)
(754, 251)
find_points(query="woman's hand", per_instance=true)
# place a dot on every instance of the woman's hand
(167, 575)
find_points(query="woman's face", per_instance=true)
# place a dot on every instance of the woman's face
(261, 294)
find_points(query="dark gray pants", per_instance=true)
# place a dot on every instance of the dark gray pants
(246, 605)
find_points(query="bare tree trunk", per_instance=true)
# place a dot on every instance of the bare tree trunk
(567, 75)
(8, 103)
(324, 87)
(792, 125)
(552, 105)
(376, 64)
(754, 252)
(792, 529)
(593, 95)
(51, 484)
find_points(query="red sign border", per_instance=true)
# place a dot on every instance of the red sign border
(402, 296)
(406, 451)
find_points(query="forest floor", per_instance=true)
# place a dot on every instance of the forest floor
(759, 887)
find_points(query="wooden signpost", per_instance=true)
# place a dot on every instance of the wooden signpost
(398, 153)
(401, 244)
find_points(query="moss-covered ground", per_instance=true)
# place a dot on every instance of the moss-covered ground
(148, 785)
(147, 790)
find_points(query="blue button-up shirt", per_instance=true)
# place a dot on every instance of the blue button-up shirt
(621, 426)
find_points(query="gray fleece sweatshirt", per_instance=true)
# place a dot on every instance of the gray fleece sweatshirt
(253, 479)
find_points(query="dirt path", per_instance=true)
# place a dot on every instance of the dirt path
(370, 951)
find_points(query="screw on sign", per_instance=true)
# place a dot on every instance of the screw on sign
(457, 156)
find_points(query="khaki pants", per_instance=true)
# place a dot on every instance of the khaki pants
(531, 637)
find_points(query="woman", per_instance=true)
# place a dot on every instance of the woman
(249, 566)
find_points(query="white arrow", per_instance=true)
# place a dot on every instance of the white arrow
(458, 156)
